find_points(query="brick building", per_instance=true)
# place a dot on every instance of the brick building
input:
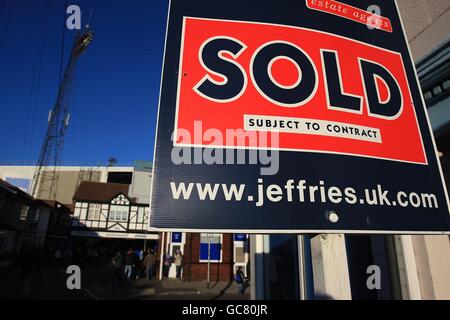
(226, 253)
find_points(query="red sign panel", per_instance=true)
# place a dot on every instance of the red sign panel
(317, 91)
(352, 13)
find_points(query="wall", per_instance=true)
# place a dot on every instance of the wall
(140, 187)
(67, 183)
(196, 271)
(426, 23)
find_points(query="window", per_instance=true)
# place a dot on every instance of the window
(240, 249)
(24, 212)
(211, 243)
(37, 214)
(239, 255)
(140, 215)
(118, 213)
(94, 211)
(27, 240)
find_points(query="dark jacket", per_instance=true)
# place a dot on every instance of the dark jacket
(129, 259)
(149, 260)
(117, 261)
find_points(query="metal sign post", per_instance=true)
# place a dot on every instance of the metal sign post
(209, 259)
(302, 267)
(162, 255)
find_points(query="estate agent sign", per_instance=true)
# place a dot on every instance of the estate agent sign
(295, 116)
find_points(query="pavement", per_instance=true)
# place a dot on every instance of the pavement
(166, 289)
(49, 282)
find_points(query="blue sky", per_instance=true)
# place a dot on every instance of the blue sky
(115, 95)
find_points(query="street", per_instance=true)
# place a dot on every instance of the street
(49, 282)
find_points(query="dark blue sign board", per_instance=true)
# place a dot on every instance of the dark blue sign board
(176, 237)
(240, 237)
(336, 135)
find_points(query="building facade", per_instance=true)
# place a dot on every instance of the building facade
(69, 177)
(283, 266)
(23, 221)
(106, 210)
(206, 256)
(117, 214)
(336, 266)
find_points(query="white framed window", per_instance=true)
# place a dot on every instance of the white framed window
(210, 244)
(119, 213)
(241, 252)
(140, 215)
(177, 241)
(94, 211)
(24, 212)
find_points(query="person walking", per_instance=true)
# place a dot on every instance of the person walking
(149, 263)
(178, 263)
(142, 267)
(116, 264)
(239, 278)
(129, 262)
(167, 262)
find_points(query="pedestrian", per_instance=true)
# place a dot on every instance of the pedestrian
(178, 263)
(116, 263)
(129, 262)
(149, 263)
(137, 254)
(239, 278)
(167, 263)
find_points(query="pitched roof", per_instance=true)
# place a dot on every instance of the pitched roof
(10, 188)
(99, 192)
(19, 193)
(58, 205)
